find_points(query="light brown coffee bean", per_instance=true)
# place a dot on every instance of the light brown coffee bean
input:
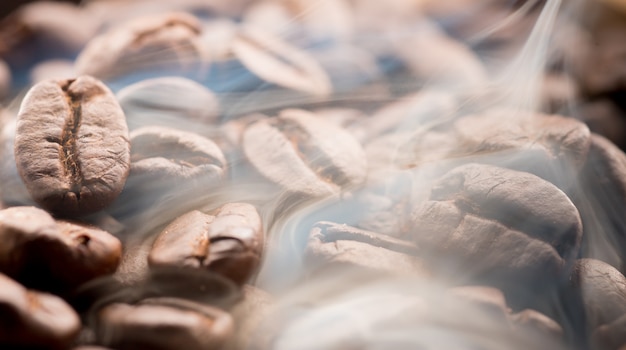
(33, 319)
(229, 242)
(304, 154)
(71, 146)
(159, 43)
(500, 226)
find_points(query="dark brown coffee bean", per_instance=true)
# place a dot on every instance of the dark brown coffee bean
(230, 242)
(159, 43)
(34, 319)
(71, 146)
(304, 154)
(499, 225)
(163, 324)
(332, 245)
(56, 256)
(169, 101)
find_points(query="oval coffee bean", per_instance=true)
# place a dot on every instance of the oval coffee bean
(305, 154)
(332, 244)
(230, 242)
(163, 324)
(500, 226)
(57, 256)
(33, 319)
(71, 146)
(156, 43)
(551, 147)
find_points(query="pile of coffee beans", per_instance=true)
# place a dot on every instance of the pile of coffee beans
(327, 174)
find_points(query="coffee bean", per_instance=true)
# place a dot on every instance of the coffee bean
(33, 319)
(55, 69)
(304, 154)
(277, 62)
(53, 255)
(159, 43)
(169, 101)
(611, 336)
(602, 202)
(163, 323)
(163, 155)
(439, 60)
(601, 289)
(71, 146)
(500, 226)
(331, 245)
(537, 323)
(45, 29)
(230, 242)
(551, 147)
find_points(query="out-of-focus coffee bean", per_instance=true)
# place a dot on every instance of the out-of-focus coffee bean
(323, 21)
(500, 226)
(331, 245)
(551, 147)
(56, 256)
(71, 146)
(13, 191)
(611, 336)
(304, 154)
(277, 62)
(174, 102)
(163, 324)
(438, 60)
(602, 202)
(229, 242)
(161, 154)
(490, 299)
(45, 29)
(597, 298)
(33, 319)
(159, 44)
(537, 323)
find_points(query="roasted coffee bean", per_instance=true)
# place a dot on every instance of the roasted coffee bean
(537, 323)
(169, 101)
(56, 256)
(439, 60)
(611, 336)
(500, 226)
(33, 319)
(602, 291)
(602, 203)
(71, 146)
(304, 154)
(163, 324)
(332, 245)
(161, 44)
(45, 29)
(229, 242)
(551, 147)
